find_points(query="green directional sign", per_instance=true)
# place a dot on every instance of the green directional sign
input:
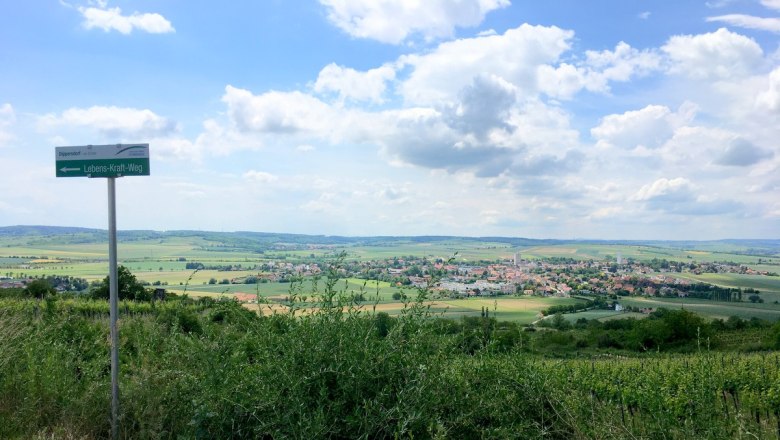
(115, 160)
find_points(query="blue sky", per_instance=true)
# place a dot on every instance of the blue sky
(560, 119)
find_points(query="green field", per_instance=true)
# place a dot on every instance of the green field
(712, 309)
(348, 286)
(706, 308)
(600, 315)
(523, 310)
(769, 287)
(762, 283)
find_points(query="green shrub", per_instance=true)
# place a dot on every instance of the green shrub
(180, 319)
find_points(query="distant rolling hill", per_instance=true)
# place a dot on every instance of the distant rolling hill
(250, 239)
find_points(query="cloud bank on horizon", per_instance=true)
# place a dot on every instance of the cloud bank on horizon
(366, 117)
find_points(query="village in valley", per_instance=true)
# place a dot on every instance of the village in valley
(609, 280)
(550, 277)
(556, 277)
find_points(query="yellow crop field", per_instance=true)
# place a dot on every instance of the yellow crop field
(524, 310)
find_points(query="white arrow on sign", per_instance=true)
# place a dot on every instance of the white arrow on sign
(66, 169)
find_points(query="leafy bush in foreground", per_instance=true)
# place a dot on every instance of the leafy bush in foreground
(223, 372)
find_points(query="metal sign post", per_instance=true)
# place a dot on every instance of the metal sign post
(110, 161)
(113, 307)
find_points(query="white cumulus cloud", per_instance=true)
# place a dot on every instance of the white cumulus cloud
(528, 57)
(749, 21)
(274, 119)
(679, 196)
(771, 4)
(742, 153)
(278, 112)
(484, 105)
(530, 140)
(348, 83)
(563, 81)
(175, 149)
(770, 98)
(678, 189)
(514, 56)
(649, 127)
(113, 121)
(621, 64)
(109, 19)
(392, 21)
(598, 69)
(694, 144)
(716, 55)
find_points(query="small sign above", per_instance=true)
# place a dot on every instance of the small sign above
(117, 160)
